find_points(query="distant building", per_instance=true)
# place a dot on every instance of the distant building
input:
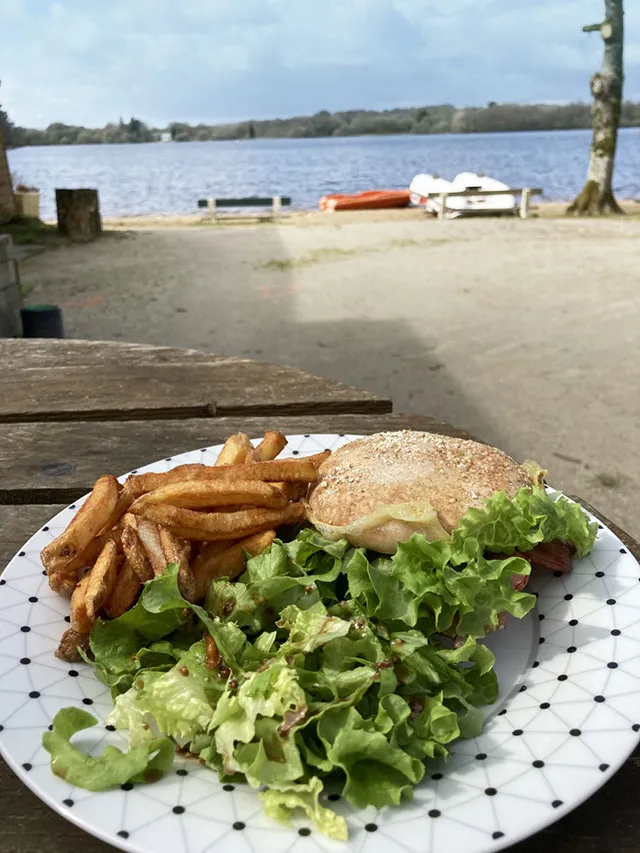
(165, 137)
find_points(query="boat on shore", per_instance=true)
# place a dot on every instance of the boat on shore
(426, 191)
(370, 200)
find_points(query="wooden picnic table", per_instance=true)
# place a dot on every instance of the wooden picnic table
(72, 410)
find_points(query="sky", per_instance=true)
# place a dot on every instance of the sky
(91, 61)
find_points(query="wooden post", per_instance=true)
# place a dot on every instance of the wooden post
(78, 214)
(10, 293)
(212, 208)
(524, 203)
(443, 205)
(276, 203)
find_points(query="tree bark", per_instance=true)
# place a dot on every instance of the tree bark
(7, 205)
(78, 214)
(606, 87)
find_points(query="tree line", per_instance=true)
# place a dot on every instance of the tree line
(443, 118)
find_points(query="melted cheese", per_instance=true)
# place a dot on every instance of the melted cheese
(382, 529)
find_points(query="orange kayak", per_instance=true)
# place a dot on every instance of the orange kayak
(372, 200)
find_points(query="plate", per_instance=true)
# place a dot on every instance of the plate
(568, 716)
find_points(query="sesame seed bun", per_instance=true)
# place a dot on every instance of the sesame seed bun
(380, 490)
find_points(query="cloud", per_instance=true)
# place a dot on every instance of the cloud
(214, 60)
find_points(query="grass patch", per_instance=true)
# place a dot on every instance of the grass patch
(23, 231)
(316, 257)
(333, 253)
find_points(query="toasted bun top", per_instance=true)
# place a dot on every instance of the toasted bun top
(447, 475)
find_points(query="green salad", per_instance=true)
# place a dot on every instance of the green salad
(322, 664)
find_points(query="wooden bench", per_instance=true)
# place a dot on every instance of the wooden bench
(276, 203)
(525, 193)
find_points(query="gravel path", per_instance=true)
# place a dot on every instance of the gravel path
(526, 333)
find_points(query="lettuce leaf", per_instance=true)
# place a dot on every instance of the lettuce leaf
(280, 801)
(532, 516)
(146, 763)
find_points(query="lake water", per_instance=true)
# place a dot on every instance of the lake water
(160, 177)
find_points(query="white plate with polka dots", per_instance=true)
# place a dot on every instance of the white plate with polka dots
(567, 718)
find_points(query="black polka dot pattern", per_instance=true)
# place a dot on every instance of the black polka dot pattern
(541, 685)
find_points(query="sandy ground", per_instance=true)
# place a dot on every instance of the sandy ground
(525, 333)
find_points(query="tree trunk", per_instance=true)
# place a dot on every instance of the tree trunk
(606, 87)
(7, 206)
(78, 214)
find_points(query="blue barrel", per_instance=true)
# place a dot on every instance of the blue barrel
(42, 321)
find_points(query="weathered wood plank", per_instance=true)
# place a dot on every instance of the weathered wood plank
(19, 523)
(84, 380)
(50, 462)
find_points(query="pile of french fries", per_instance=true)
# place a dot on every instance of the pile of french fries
(204, 518)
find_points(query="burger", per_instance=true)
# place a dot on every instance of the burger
(382, 490)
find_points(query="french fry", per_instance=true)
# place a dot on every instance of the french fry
(133, 550)
(214, 493)
(69, 644)
(80, 621)
(65, 580)
(236, 450)
(149, 534)
(317, 459)
(230, 562)
(101, 580)
(124, 593)
(90, 519)
(178, 551)
(162, 547)
(138, 484)
(204, 526)
(63, 583)
(272, 471)
(271, 445)
(125, 499)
